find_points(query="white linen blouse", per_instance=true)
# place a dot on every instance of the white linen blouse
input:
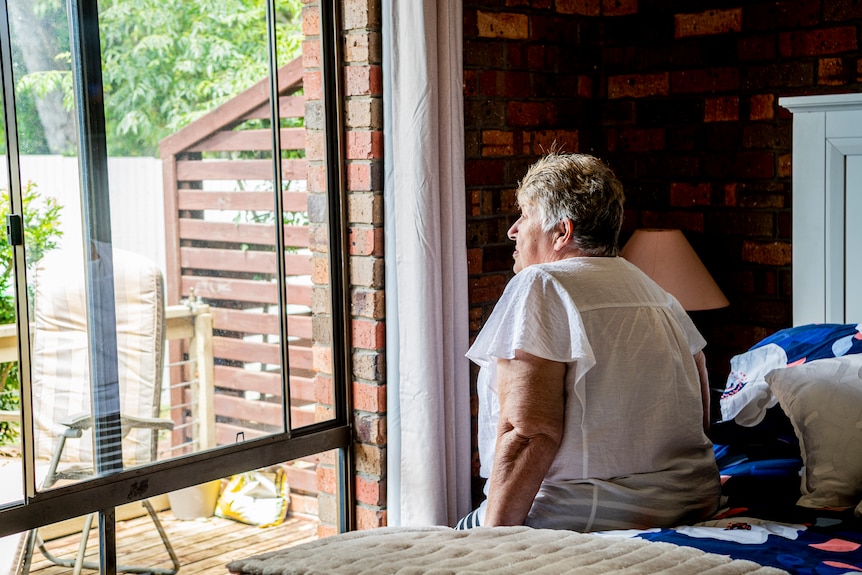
(633, 452)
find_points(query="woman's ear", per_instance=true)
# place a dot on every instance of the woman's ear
(563, 233)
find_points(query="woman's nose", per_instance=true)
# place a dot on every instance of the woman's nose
(512, 232)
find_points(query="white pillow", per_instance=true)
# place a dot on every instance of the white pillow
(823, 399)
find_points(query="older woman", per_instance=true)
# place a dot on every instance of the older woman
(593, 391)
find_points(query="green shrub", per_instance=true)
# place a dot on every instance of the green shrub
(41, 232)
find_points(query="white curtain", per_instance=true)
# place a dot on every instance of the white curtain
(427, 375)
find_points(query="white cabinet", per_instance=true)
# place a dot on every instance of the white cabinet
(827, 208)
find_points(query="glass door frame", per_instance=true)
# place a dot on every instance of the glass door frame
(104, 493)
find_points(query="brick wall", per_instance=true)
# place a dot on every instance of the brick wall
(681, 99)
(364, 151)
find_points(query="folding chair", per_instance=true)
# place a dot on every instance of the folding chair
(61, 377)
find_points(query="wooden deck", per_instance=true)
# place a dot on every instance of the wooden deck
(202, 545)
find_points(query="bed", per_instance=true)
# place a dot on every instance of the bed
(789, 449)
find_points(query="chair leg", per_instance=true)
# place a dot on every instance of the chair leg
(82, 547)
(165, 541)
(78, 563)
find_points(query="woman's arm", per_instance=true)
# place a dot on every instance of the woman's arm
(700, 360)
(528, 436)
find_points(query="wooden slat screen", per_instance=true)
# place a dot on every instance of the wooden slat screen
(221, 249)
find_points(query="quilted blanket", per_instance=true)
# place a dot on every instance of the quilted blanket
(495, 550)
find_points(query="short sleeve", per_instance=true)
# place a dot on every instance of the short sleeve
(537, 316)
(696, 342)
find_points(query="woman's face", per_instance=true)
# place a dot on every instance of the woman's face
(532, 244)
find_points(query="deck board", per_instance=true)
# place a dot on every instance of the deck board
(204, 546)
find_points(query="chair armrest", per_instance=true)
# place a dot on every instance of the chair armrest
(79, 421)
(10, 416)
(146, 423)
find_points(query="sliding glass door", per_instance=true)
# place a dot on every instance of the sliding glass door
(174, 275)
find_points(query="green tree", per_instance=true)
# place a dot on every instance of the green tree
(168, 62)
(41, 231)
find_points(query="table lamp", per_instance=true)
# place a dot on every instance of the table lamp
(668, 258)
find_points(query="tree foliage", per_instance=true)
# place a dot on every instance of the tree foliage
(41, 219)
(167, 62)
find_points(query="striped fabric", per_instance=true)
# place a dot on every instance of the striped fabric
(60, 351)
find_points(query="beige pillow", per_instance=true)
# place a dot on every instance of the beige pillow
(823, 399)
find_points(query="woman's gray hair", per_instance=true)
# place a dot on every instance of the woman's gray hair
(580, 187)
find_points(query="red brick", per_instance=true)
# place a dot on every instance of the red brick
(362, 176)
(830, 72)
(503, 25)
(369, 397)
(730, 195)
(527, 113)
(316, 178)
(358, 14)
(768, 253)
(684, 195)
(484, 172)
(755, 165)
(323, 389)
(474, 261)
(368, 303)
(516, 85)
(708, 23)
(762, 107)
(535, 57)
(310, 54)
(585, 87)
(315, 145)
(582, 7)
(370, 491)
(638, 85)
(364, 241)
(369, 518)
(561, 140)
(785, 166)
(312, 85)
(471, 83)
(817, 42)
(364, 144)
(487, 288)
(364, 80)
(497, 143)
(321, 358)
(636, 139)
(368, 334)
(757, 48)
(326, 479)
(619, 7)
(489, 82)
(310, 21)
(710, 80)
(692, 221)
(369, 428)
(721, 109)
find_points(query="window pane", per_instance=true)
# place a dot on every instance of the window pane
(52, 218)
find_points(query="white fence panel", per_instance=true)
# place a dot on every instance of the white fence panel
(136, 195)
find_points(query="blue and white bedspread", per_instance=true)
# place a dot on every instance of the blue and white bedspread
(761, 522)
(824, 544)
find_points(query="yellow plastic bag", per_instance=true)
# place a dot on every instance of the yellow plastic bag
(255, 497)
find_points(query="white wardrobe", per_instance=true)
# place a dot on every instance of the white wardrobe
(827, 208)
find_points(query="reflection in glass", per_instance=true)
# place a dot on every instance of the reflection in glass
(44, 126)
(194, 196)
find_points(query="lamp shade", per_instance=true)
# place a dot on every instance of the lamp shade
(668, 258)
